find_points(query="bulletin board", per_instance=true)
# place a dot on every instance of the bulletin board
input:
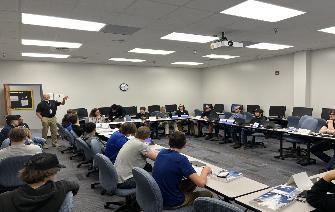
(21, 100)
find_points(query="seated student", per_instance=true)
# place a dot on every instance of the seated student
(170, 170)
(95, 116)
(41, 192)
(75, 126)
(118, 139)
(65, 121)
(321, 196)
(18, 138)
(116, 113)
(181, 123)
(234, 130)
(12, 121)
(90, 133)
(30, 139)
(258, 118)
(166, 124)
(211, 116)
(133, 154)
(319, 148)
(143, 115)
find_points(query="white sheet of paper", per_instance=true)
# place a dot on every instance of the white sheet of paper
(14, 98)
(301, 180)
(24, 102)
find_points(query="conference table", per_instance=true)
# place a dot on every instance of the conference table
(241, 190)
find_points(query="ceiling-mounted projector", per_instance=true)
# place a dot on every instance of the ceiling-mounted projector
(223, 41)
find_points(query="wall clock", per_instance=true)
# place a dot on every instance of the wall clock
(124, 87)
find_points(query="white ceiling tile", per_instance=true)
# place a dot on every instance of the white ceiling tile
(213, 5)
(150, 9)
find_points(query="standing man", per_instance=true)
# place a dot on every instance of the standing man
(46, 111)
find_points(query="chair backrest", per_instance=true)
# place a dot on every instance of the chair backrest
(67, 205)
(301, 111)
(153, 108)
(148, 194)
(95, 146)
(86, 148)
(302, 119)
(277, 111)
(310, 124)
(293, 121)
(9, 170)
(252, 108)
(227, 115)
(5, 143)
(248, 117)
(61, 130)
(108, 177)
(81, 112)
(232, 108)
(213, 205)
(171, 108)
(219, 108)
(325, 113)
(154, 113)
(197, 112)
(69, 137)
(321, 123)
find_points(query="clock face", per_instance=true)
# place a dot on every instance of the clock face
(124, 87)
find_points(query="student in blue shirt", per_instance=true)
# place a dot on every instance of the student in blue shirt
(12, 121)
(118, 139)
(175, 175)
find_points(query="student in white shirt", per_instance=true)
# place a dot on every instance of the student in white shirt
(18, 137)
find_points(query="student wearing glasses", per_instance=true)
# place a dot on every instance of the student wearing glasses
(319, 148)
(181, 123)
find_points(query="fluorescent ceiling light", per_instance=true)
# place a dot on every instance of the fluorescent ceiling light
(151, 51)
(127, 60)
(268, 46)
(262, 11)
(217, 56)
(50, 21)
(328, 30)
(189, 37)
(26, 54)
(50, 43)
(187, 63)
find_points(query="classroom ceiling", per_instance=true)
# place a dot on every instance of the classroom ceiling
(156, 18)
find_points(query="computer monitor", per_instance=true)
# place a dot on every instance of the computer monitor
(233, 106)
(171, 108)
(153, 108)
(104, 110)
(301, 111)
(81, 112)
(219, 108)
(278, 111)
(252, 108)
(131, 111)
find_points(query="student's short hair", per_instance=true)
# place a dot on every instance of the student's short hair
(114, 107)
(177, 140)
(17, 134)
(93, 111)
(142, 108)
(90, 127)
(73, 118)
(143, 133)
(31, 176)
(181, 105)
(71, 111)
(128, 128)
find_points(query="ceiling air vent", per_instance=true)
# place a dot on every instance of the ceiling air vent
(78, 57)
(62, 49)
(120, 30)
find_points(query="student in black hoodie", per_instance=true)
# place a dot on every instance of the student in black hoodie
(74, 120)
(322, 194)
(41, 193)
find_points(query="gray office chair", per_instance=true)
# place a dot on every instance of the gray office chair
(10, 167)
(70, 138)
(293, 121)
(61, 130)
(67, 205)
(152, 201)
(78, 148)
(197, 112)
(5, 143)
(88, 153)
(96, 149)
(248, 117)
(321, 123)
(108, 180)
(207, 204)
(302, 119)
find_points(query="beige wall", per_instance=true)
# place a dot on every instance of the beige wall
(91, 85)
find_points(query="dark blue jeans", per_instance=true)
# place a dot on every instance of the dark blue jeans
(319, 149)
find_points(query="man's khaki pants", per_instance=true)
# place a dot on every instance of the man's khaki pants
(52, 122)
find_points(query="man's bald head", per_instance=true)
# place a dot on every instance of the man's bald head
(46, 96)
